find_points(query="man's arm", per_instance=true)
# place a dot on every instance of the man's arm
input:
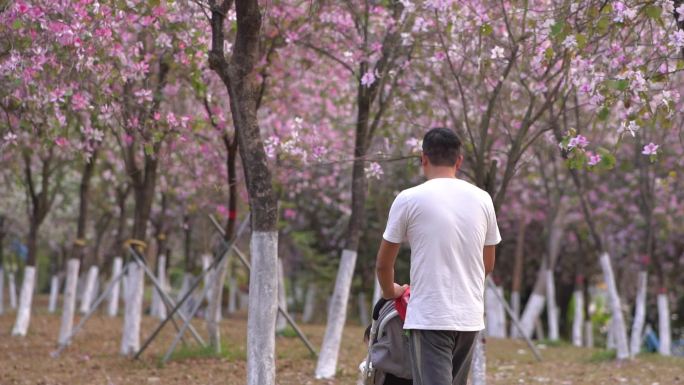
(489, 257)
(384, 265)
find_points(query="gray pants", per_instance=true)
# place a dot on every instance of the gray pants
(441, 357)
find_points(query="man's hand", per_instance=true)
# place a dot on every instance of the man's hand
(397, 291)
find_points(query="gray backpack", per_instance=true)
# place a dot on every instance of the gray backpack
(388, 352)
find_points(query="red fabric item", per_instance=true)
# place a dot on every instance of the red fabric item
(232, 214)
(401, 303)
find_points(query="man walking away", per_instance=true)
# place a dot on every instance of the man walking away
(451, 228)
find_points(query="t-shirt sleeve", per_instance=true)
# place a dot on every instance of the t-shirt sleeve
(395, 231)
(492, 237)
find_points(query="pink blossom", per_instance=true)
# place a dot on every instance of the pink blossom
(10, 138)
(650, 149)
(143, 95)
(578, 141)
(289, 214)
(594, 159)
(374, 170)
(369, 78)
(79, 101)
(61, 141)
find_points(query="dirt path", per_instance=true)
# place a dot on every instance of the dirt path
(93, 359)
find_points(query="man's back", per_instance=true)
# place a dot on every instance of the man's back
(447, 222)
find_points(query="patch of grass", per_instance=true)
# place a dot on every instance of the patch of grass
(288, 332)
(554, 344)
(602, 356)
(230, 353)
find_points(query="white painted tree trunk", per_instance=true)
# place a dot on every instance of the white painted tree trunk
(164, 282)
(327, 359)
(263, 308)
(130, 339)
(158, 309)
(533, 308)
(616, 308)
(281, 322)
(26, 297)
(478, 374)
(309, 303)
(208, 277)
(551, 308)
(515, 306)
(639, 315)
(54, 293)
(363, 310)
(610, 337)
(664, 331)
(232, 295)
(588, 334)
(377, 292)
(496, 326)
(578, 318)
(89, 289)
(501, 312)
(12, 290)
(80, 286)
(113, 305)
(69, 300)
(214, 308)
(185, 286)
(2, 290)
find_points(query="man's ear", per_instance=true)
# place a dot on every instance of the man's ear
(459, 162)
(424, 160)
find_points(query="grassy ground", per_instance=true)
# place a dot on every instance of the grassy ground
(93, 358)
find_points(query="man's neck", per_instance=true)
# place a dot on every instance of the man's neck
(441, 172)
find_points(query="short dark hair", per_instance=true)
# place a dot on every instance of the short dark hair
(442, 146)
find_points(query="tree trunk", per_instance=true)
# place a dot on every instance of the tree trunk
(2, 290)
(364, 318)
(327, 360)
(535, 304)
(495, 317)
(616, 309)
(639, 314)
(208, 276)
(281, 322)
(12, 288)
(518, 273)
(89, 293)
(185, 286)
(24, 314)
(130, 339)
(232, 295)
(578, 316)
(241, 81)
(113, 306)
(78, 250)
(214, 308)
(69, 304)
(551, 308)
(664, 330)
(54, 293)
(309, 303)
(2, 265)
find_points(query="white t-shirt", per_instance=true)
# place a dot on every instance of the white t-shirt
(447, 222)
